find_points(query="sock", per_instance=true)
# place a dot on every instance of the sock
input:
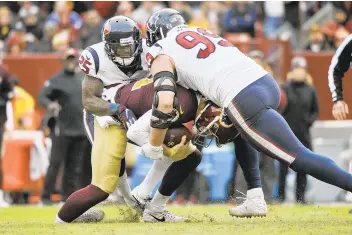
(247, 158)
(124, 189)
(80, 201)
(159, 201)
(59, 221)
(178, 172)
(154, 175)
(322, 168)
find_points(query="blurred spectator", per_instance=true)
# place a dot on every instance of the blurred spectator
(199, 19)
(301, 111)
(90, 32)
(274, 16)
(5, 23)
(125, 8)
(258, 57)
(183, 8)
(29, 15)
(66, 19)
(49, 31)
(145, 9)
(23, 107)
(63, 16)
(61, 42)
(316, 40)
(106, 9)
(292, 17)
(62, 95)
(214, 12)
(344, 12)
(315, 7)
(340, 34)
(241, 18)
(6, 93)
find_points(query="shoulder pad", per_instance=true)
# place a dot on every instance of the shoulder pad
(89, 62)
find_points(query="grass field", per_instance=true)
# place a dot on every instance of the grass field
(205, 220)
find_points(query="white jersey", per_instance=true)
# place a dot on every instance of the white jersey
(207, 63)
(95, 62)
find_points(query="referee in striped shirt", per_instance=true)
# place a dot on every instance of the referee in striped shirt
(340, 63)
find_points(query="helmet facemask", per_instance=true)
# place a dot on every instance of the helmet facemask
(124, 51)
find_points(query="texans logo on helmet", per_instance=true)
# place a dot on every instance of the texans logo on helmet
(107, 28)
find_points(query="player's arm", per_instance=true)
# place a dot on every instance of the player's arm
(339, 65)
(92, 90)
(163, 113)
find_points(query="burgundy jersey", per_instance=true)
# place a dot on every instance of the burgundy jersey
(138, 96)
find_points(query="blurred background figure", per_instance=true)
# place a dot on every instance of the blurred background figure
(6, 93)
(144, 11)
(241, 18)
(62, 95)
(316, 40)
(274, 16)
(5, 22)
(301, 111)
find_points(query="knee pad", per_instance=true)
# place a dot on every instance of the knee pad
(161, 120)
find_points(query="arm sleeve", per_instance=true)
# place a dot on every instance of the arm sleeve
(47, 94)
(139, 131)
(340, 63)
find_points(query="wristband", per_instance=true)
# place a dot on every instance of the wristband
(113, 108)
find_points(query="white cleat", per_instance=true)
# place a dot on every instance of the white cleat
(139, 201)
(253, 206)
(92, 215)
(151, 215)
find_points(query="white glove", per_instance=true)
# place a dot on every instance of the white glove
(154, 153)
(105, 121)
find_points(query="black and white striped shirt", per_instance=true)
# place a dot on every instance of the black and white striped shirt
(340, 63)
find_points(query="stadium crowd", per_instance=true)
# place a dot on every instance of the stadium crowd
(55, 27)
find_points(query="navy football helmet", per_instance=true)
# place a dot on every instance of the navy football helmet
(123, 40)
(160, 23)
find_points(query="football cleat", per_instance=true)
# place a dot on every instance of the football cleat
(253, 206)
(152, 215)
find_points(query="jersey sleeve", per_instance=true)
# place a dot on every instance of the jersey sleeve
(89, 62)
(153, 52)
(339, 65)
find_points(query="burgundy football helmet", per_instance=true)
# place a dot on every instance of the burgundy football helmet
(212, 122)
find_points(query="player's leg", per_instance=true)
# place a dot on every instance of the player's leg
(255, 204)
(184, 164)
(253, 112)
(155, 174)
(108, 150)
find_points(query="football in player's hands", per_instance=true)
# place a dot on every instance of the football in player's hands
(174, 136)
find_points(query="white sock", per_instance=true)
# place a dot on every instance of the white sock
(154, 175)
(124, 189)
(59, 221)
(159, 201)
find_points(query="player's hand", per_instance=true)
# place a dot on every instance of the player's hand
(179, 151)
(125, 116)
(153, 152)
(340, 110)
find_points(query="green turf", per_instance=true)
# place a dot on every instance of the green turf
(205, 220)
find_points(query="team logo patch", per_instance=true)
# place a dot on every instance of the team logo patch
(107, 28)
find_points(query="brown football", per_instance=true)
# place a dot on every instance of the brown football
(174, 136)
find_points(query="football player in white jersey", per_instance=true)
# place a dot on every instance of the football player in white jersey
(115, 61)
(202, 61)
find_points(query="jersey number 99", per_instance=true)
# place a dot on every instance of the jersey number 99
(189, 39)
